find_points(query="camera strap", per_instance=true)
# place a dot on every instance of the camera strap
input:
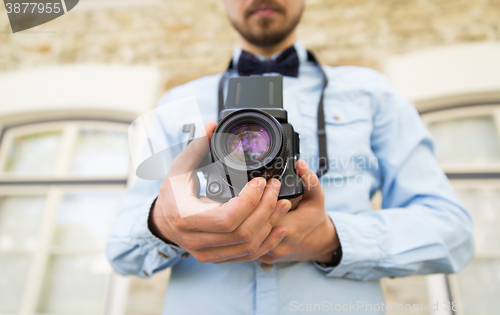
(323, 154)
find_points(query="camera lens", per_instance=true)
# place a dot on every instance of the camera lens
(248, 143)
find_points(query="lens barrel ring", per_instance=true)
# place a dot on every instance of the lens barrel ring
(272, 163)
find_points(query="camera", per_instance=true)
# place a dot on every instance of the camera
(253, 139)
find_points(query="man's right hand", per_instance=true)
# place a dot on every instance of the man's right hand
(244, 228)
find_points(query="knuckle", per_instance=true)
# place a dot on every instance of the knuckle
(180, 223)
(268, 203)
(190, 244)
(247, 201)
(280, 251)
(227, 225)
(253, 202)
(290, 235)
(251, 248)
(165, 189)
(273, 220)
(244, 235)
(202, 258)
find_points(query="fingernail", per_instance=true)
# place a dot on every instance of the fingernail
(282, 235)
(276, 186)
(285, 208)
(259, 183)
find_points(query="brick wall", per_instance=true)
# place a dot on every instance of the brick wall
(191, 38)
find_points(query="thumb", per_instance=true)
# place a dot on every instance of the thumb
(189, 159)
(310, 179)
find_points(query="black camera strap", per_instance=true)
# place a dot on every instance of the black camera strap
(323, 154)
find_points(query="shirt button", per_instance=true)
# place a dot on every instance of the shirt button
(266, 267)
(185, 255)
(336, 117)
(163, 255)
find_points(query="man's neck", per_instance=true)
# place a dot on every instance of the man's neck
(268, 51)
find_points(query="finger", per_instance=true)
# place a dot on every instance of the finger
(196, 184)
(269, 209)
(246, 231)
(189, 159)
(240, 209)
(228, 216)
(273, 239)
(212, 254)
(310, 179)
(209, 129)
(216, 254)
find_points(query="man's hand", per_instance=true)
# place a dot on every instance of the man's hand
(243, 228)
(311, 234)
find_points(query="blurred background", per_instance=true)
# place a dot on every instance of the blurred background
(70, 88)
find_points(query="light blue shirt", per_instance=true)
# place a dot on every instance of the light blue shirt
(376, 141)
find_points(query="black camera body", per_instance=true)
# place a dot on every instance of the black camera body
(253, 139)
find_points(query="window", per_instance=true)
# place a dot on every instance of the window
(467, 144)
(60, 184)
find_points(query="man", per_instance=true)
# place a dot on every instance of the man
(252, 255)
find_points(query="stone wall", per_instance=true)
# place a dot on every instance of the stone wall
(191, 38)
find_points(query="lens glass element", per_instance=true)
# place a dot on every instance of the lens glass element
(248, 143)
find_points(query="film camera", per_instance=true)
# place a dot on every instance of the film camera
(253, 139)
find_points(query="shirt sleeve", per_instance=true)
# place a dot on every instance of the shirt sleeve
(131, 248)
(422, 227)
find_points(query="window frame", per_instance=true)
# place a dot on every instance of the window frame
(479, 255)
(53, 187)
(468, 111)
(465, 176)
(69, 129)
(477, 184)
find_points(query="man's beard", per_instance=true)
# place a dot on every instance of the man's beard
(267, 37)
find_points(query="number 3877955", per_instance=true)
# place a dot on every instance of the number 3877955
(33, 7)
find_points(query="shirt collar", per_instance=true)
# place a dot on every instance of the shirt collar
(299, 47)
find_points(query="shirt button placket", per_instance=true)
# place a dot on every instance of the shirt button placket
(266, 287)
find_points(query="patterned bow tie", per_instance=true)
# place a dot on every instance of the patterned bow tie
(286, 64)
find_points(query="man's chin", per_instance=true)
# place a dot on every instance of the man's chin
(265, 39)
(264, 26)
(266, 31)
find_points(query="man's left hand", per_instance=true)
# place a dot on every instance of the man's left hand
(311, 233)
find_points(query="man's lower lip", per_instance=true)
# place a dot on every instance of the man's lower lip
(264, 12)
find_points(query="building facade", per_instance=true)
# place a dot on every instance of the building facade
(70, 88)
